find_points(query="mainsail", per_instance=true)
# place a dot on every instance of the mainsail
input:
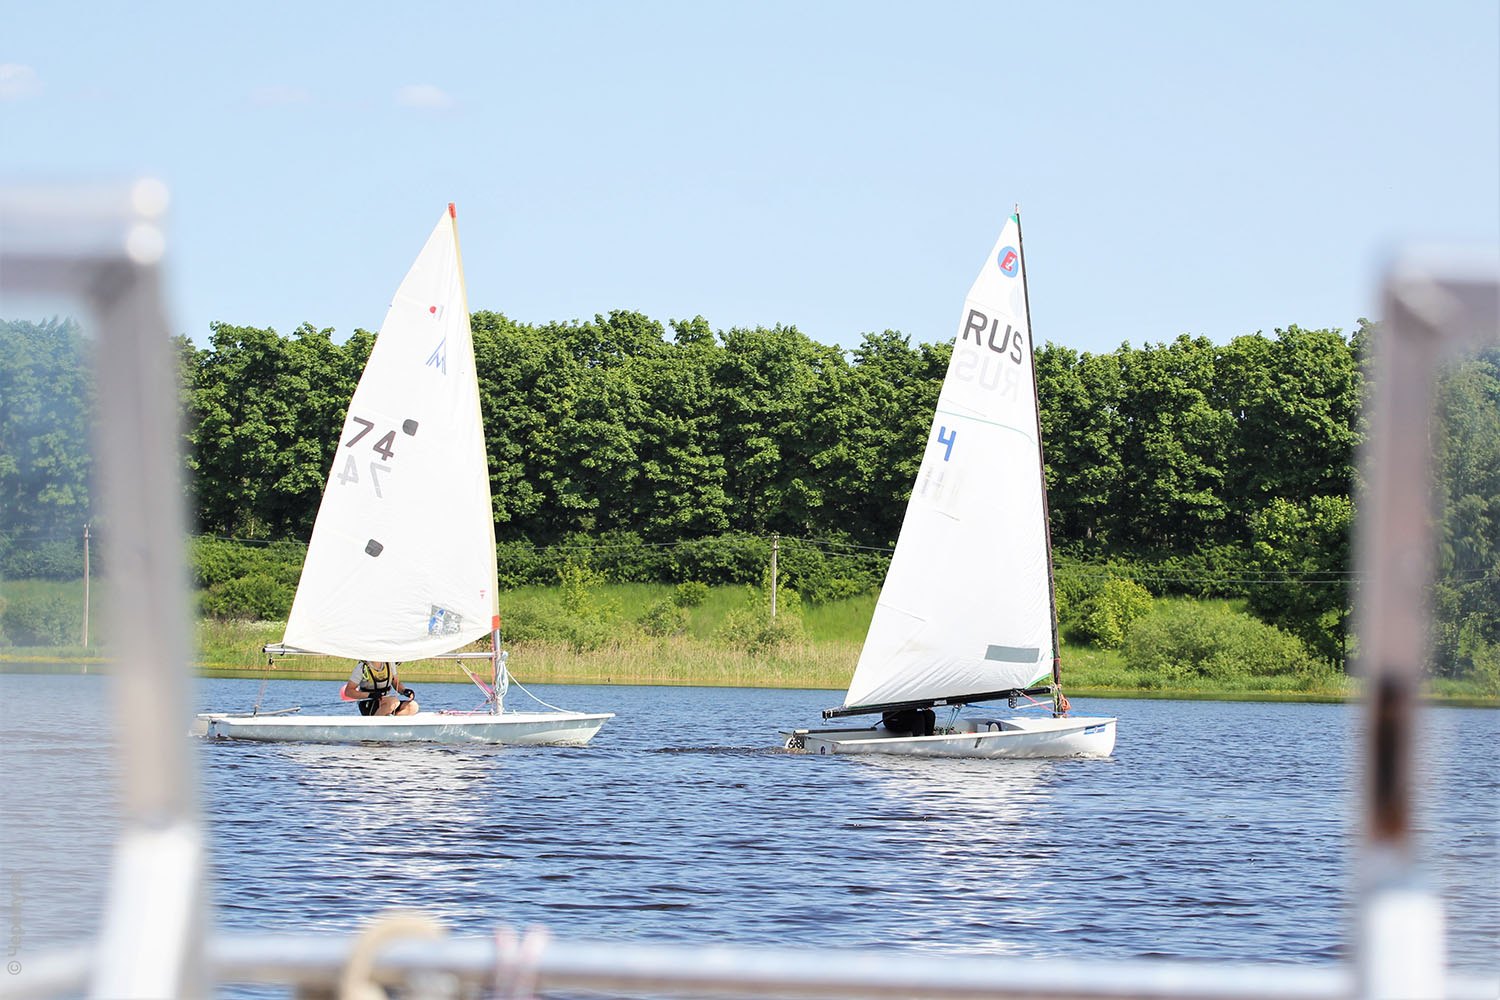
(402, 559)
(966, 608)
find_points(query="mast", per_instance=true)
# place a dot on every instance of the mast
(1041, 452)
(498, 680)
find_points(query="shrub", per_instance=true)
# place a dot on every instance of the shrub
(54, 560)
(753, 630)
(690, 594)
(1107, 616)
(257, 597)
(42, 620)
(1187, 642)
(217, 561)
(1480, 658)
(535, 621)
(590, 619)
(723, 559)
(663, 618)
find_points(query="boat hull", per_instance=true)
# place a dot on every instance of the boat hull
(1008, 738)
(513, 728)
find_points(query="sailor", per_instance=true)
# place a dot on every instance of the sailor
(377, 689)
(910, 722)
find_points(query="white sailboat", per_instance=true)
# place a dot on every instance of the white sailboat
(401, 565)
(967, 612)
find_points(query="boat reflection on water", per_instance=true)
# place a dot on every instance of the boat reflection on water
(407, 818)
(950, 811)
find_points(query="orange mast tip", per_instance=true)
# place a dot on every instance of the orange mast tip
(452, 212)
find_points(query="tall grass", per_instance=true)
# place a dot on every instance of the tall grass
(823, 658)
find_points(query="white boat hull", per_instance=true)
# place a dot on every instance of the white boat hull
(514, 728)
(1013, 738)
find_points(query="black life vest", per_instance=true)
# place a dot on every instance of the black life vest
(377, 683)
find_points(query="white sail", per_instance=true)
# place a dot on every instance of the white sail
(966, 604)
(402, 559)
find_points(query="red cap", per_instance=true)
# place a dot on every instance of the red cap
(452, 212)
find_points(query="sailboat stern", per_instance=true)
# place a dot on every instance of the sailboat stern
(1019, 738)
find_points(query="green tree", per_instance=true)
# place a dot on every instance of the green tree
(1082, 431)
(1466, 457)
(265, 420)
(1173, 453)
(1295, 401)
(1301, 552)
(46, 405)
(679, 487)
(765, 384)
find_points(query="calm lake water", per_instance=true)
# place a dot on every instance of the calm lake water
(1218, 830)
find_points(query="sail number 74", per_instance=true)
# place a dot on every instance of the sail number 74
(382, 447)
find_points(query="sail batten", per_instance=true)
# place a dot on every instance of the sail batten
(401, 564)
(965, 610)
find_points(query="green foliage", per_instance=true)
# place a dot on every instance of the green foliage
(1466, 447)
(46, 404)
(44, 560)
(592, 619)
(41, 618)
(672, 452)
(663, 618)
(690, 594)
(1301, 552)
(265, 415)
(753, 630)
(256, 597)
(240, 581)
(1185, 644)
(1479, 656)
(1106, 617)
(752, 627)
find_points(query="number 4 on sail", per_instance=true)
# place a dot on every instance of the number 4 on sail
(401, 565)
(968, 612)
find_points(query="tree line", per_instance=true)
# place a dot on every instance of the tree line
(1189, 466)
(621, 424)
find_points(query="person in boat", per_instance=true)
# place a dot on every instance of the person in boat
(377, 689)
(910, 722)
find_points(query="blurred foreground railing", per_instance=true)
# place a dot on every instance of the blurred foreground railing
(467, 967)
(102, 247)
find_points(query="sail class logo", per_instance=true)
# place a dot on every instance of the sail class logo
(439, 357)
(1009, 261)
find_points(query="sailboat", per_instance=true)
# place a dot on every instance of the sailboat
(967, 612)
(401, 565)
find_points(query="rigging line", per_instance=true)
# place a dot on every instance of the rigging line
(533, 697)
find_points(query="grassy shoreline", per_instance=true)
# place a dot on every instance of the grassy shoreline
(679, 662)
(823, 658)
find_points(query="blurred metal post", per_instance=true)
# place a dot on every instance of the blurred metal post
(1433, 310)
(101, 246)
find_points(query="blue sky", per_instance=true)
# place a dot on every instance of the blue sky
(1205, 168)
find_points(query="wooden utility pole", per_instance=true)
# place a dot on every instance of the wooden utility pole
(775, 545)
(85, 586)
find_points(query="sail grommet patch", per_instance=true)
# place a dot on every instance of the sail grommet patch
(373, 548)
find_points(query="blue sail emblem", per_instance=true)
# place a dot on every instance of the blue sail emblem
(439, 357)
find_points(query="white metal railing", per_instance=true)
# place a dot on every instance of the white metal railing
(509, 966)
(102, 246)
